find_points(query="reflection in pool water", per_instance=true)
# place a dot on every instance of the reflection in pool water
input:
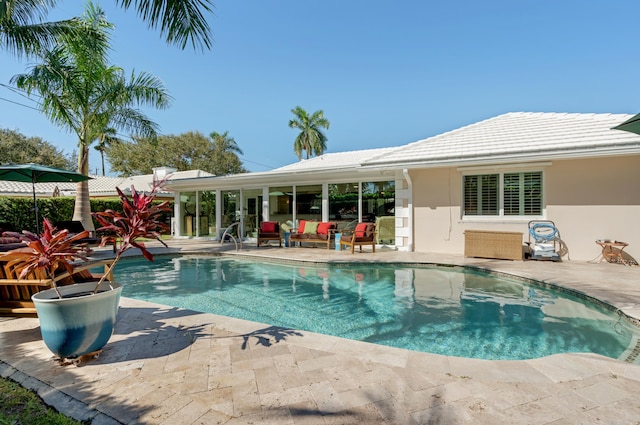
(442, 310)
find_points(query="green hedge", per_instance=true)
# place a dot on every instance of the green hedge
(18, 211)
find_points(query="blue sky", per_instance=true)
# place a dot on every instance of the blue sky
(384, 73)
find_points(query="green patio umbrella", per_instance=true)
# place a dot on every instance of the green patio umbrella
(33, 173)
(632, 125)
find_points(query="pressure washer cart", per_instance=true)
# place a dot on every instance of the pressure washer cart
(544, 240)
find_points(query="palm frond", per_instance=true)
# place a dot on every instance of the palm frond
(181, 21)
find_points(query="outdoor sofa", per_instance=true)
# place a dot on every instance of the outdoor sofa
(316, 232)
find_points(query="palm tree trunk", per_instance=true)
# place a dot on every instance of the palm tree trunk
(82, 207)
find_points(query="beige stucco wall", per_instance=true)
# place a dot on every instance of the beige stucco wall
(588, 199)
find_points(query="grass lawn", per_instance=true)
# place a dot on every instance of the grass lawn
(21, 406)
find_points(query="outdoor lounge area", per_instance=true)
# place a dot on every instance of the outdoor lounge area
(426, 195)
(228, 369)
(170, 365)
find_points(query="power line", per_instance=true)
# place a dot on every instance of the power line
(20, 92)
(257, 163)
(129, 136)
(20, 104)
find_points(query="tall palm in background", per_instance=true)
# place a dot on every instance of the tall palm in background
(108, 137)
(225, 152)
(81, 92)
(23, 29)
(311, 139)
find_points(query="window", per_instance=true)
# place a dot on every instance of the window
(518, 194)
(523, 194)
(481, 195)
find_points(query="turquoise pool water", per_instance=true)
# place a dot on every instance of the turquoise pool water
(450, 311)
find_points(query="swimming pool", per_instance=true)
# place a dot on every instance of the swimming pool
(442, 310)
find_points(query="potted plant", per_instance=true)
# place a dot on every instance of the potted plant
(78, 319)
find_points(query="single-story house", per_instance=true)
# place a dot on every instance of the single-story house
(494, 175)
(99, 186)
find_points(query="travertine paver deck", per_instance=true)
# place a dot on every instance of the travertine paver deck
(171, 366)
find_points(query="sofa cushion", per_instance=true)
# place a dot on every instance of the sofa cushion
(311, 227)
(301, 226)
(360, 229)
(269, 226)
(323, 228)
(9, 239)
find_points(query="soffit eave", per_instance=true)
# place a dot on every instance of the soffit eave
(505, 159)
(276, 179)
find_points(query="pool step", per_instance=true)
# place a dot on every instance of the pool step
(632, 354)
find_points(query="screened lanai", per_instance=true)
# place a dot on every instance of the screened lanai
(309, 190)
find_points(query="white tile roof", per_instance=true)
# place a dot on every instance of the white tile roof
(334, 160)
(517, 136)
(98, 185)
(145, 182)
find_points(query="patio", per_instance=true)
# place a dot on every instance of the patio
(169, 366)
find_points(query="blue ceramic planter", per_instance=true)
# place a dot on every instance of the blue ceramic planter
(81, 324)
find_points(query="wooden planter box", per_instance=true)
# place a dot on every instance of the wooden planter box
(493, 244)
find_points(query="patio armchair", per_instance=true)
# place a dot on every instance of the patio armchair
(364, 234)
(75, 227)
(269, 231)
(15, 293)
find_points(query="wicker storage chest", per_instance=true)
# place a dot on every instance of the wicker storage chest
(493, 244)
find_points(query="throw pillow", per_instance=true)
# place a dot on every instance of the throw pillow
(311, 227)
(301, 226)
(268, 226)
(323, 228)
(360, 229)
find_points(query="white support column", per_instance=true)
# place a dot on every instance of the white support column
(241, 206)
(325, 202)
(407, 229)
(359, 202)
(219, 206)
(177, 217)
(295, 207)
(265, 204)
(197, 235)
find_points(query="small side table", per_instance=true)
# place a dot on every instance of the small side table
(612, 251)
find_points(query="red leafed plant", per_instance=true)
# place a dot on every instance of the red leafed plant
(140, 218)
(48, 254)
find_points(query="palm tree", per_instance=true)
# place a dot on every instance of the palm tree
(23, 30)
(81, 92)
(223, 143)
(106, 139)
(311, 138)
(225, 152)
